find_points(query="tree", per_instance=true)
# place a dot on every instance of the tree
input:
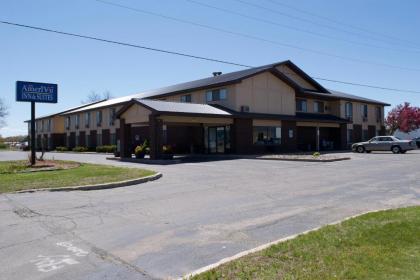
(95, 97)
(3, 112)
(403, 117)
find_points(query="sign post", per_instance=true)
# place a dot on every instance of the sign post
(35, 92)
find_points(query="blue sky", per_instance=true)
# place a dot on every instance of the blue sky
(80, 66)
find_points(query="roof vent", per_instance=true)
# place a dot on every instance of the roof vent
(217, 74)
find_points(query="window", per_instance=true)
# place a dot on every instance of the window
(301, 105)
(41, 127)
(87, 119)
(77, 122)
(99, 118)
(349, 110)
(365, 112)
(319, 107)
(113, 139)
(349, 136)
(378, 114)
(112, 116)
(385, 139)
(365, 135)
(68, 122)
(98, 139)
(216, 95)
(186, 98)
(49, 125)
(264, 135)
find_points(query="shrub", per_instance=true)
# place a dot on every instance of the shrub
(80, 149)
(140, 151)
(106, 149)
(3, 146)
(316, 154)
(167, 149)
(61, 149)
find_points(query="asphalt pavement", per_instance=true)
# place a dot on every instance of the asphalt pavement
(195, 215)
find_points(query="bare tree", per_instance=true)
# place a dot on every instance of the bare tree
(3, 112)
(95, 97)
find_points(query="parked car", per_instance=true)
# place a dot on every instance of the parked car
(384, 143)
(417, 140)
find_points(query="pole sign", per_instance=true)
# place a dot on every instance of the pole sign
(36, 92)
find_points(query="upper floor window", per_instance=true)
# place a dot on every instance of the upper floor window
(216, 94)
(49, 125)
(365, 112)
(77, 121)
(112, 116)
(378, 114)
(41, 127)
(319, 107)
(67, 122)
(349, 110)
(186, 98)
(301, 105)
(87, 119)
(99, 118)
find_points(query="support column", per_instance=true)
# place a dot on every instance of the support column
(242, 132)
(288, 136)
(343, 136)
(317, 139)
(125, 130)
(156, 131)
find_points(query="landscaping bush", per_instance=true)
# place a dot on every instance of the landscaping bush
(61, 149)
(80, 149)
(3, 146)
(142, 150)
(106, 149)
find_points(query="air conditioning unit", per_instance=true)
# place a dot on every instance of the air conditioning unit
(244, 109)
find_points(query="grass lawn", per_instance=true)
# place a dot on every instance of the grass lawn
(382, 245)
(85, 174)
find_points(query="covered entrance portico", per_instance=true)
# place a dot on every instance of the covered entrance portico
(320, 136)
(186, 128)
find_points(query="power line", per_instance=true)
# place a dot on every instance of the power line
(296, 28)
(257, 38)
(184, 54)
(123, 44)
(341, 23)
(308, 20)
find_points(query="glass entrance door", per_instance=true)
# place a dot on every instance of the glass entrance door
(216, 140)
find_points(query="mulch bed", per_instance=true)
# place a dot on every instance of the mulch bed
(49, 165)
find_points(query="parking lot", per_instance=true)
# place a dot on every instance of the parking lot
(195, 215)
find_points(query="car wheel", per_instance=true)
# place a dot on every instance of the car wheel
(396, 149)
(360, 149)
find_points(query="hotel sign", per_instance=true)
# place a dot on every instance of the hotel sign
(36, 92)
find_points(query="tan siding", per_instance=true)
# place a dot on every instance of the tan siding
(265, 93)
(266, 122)
(136, 114)
(295, 77)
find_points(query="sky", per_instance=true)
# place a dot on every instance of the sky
(363, 41)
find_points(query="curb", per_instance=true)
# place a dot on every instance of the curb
(307, 160)
(266, 245)
(98, 186)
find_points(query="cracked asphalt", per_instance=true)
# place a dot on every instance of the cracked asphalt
(195, 215)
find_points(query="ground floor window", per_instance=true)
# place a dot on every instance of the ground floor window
(265, 135)
(349, 136)
(87, 141)
(217, 139)
(365, 135)
(113, 139)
